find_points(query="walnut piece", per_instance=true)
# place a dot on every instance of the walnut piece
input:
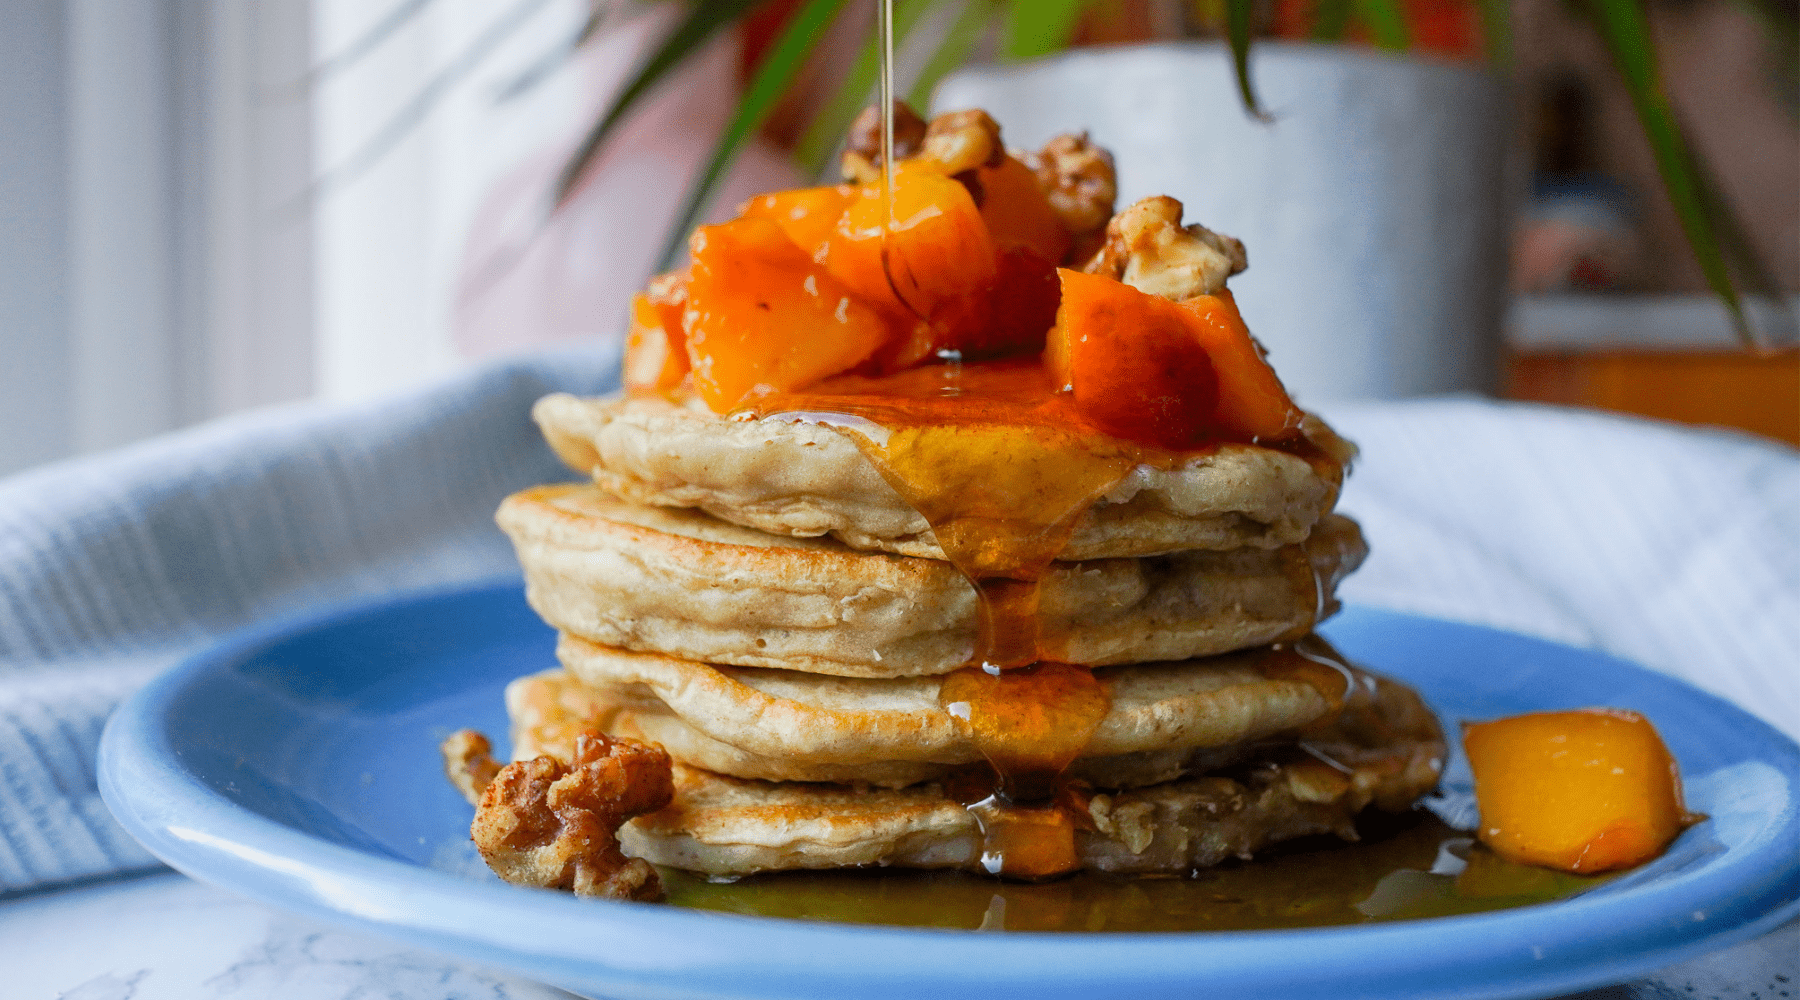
(469, 763)
(960, 141)
(1079, 180)
(862, 152)
(541, 823)
(1148, 248)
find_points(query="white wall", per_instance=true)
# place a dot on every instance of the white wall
(35, 374)
(148, 277)
(389, 236)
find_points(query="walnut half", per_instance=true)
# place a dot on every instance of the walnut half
(1078, 178)
(862, 152)
(469, 763)
(541, 823)
(1148, 248)
(963, 140)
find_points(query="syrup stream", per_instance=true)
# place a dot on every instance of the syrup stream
(1002, 482)
(1002, 468)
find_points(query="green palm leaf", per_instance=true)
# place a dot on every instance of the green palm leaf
(1240, 18)
(814, 150)
(772, 78)
(704, 20)
(1331, 18)
(1626, 33)
(1386, 23)
(1035, 28)
(1496, 31)
(966, 32)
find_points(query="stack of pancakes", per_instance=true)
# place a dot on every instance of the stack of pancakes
(755, 598)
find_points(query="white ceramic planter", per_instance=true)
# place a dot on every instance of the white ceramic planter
(1372, 206)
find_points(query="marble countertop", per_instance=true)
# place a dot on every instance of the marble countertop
(167, 937)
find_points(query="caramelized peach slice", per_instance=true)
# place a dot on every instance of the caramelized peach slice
(940, 257)
(762, 314)
(1586, 791)
(1252, 400)
(1136, 369)
(1018, 213)
(808, 215)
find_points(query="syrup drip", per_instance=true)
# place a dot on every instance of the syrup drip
(1405, 868)
(996, 462)
(1031, 722)
(1311, 661)
(1002, 467)
(884, 29)
(1308, 583)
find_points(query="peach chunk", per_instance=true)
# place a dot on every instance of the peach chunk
(1018, 213)
(1585, 791)
(1133, 363)
(1252, 400)
(762, 314)
(808, 215)
(940, 257)
(651, 365)
(655, 348)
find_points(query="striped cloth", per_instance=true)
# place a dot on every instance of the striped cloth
(1673, 547)
(115, 567)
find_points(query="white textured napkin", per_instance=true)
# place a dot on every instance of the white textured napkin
(116, 566)
(1673, 547)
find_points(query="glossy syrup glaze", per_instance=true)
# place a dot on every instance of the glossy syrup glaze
(1407, 867)
(1002, 467)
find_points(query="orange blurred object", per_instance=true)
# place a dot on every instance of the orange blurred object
(1447, 28)
(1252, 400)
(1750, 391)
(1133, 363)
(1584, 791)
(654, 361)
(655, 348)
(762, 314)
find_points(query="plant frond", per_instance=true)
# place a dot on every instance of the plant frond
(826, 132)
(704, 20)
(772, 77)
(1625, 31)
(966, 32)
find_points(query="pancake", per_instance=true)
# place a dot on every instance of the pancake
(727, 827)
(1385, 750)
(806, 479)
(682, 583)
(549, 709)
(1164, 720)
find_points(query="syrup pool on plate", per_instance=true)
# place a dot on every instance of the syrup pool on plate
(1407, 867)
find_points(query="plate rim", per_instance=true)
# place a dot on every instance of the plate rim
(143, 782)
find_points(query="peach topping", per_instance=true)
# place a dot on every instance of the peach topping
(961, 264)
(1586, 791)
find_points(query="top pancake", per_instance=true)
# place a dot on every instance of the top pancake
(806, 479)
(679, 582)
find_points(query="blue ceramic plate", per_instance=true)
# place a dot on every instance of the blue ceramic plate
(297, 765)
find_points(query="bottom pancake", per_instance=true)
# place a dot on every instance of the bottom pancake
(724, 826)
(1380, 751)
